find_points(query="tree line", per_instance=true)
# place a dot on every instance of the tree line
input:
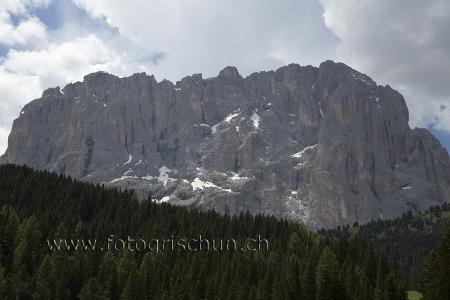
(300, 264)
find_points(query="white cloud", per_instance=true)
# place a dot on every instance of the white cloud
(4, 132)
(68, 61)
(402, 43)
(16, 91)
(205, 36)
(20, 7)
(28, 31)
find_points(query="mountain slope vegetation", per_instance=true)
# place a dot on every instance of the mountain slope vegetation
(298, 264)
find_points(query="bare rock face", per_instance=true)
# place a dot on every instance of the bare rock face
(326, 146)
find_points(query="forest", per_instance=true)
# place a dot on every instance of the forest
(406, 241)
(298, 264)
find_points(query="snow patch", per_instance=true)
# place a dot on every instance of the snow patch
(377, 99)
(231, 117)
(362, 78)
(199, 184)
(123, 178)
(148, 178)
(128, 172)
(300, 153)
(214, 128)
(130, 158)
(164, 175)
(255, 119)
(235, 177)
(227, 119)
(164, 199)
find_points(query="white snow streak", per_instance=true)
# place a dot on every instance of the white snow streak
(130, 158)
(300, 153)
(255, 119)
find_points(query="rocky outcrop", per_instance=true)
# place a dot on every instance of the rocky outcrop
(326, 146)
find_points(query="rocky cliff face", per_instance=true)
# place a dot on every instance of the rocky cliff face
(325, 145)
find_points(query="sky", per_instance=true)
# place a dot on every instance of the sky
(403, 43)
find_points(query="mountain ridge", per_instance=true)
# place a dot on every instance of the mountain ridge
(327, 145)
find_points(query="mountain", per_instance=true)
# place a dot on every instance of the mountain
(326, 145)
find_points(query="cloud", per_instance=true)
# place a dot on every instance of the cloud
(202, 36)
(68, 61)
(29, 31)
(403, 43)
(4, 133)
(16, 91)
(21, 7)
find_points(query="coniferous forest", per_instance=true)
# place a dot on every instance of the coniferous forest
(405, 241)
(298, 264)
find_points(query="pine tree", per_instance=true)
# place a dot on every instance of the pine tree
(293, 278)
(133, 288)
(125, 267)
(26, 256)
(361, 287)
(62, 268)
(3, 283)
(148, 274)
(93, 290)
(390, 290)
(9, 223)
(308, 283)
(436, 274)
(44, 280)
(326, 276)
(108, 275)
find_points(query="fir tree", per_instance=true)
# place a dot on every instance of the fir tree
(326, 276)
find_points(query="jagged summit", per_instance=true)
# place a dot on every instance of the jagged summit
(325, 145)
